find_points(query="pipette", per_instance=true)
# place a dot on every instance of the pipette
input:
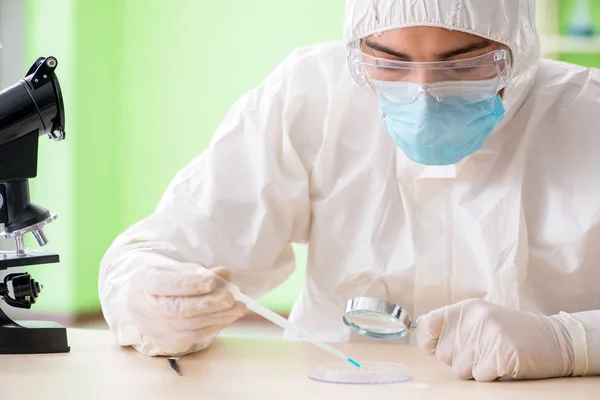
(279, 320)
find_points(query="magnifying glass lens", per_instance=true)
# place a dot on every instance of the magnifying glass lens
(376, 325)
(376, 318)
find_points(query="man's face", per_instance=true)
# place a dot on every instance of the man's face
(426, 44)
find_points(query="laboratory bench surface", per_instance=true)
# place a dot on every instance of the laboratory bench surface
(236, 368)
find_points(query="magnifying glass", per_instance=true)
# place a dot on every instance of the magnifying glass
(377, 318)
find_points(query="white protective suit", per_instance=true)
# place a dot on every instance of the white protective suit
(305, 158)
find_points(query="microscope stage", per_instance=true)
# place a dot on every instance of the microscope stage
(10, 259)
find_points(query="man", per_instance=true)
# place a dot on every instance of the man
(431, 160)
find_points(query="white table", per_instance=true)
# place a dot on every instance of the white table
(234, 368)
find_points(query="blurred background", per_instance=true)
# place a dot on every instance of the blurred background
(145, 83)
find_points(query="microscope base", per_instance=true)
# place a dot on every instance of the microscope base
(33, 337)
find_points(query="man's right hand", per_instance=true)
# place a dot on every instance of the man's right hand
(180, 308)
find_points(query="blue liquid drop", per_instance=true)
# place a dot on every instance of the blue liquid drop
(354, 362)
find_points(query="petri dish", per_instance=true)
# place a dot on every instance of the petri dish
(369, 373)
(377, 318)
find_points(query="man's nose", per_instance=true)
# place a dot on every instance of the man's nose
(422, 76)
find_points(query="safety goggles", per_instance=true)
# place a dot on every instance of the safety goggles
(479, 77)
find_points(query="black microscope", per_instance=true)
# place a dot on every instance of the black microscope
(28, 109)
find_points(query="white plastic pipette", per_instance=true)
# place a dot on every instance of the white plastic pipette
(279, 320)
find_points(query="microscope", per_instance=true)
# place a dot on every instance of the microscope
(28, 109)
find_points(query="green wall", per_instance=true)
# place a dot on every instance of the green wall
(146, 82)
(566, 8)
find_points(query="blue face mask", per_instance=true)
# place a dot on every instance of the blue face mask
(442, 123)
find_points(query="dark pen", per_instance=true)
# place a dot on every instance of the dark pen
(174, 365)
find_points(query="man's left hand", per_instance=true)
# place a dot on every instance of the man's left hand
(485, 342)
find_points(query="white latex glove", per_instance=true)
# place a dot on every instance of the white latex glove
(485, 342)
(178, 309)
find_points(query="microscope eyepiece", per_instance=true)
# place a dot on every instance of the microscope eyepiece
(34, 103)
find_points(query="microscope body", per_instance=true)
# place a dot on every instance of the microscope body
(29, 109)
